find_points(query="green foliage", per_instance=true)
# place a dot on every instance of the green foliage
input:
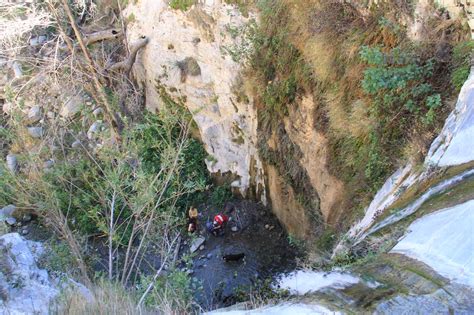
(133, 174)
(397, 78)
(327, 239)
(220, 195)
(398, 85)
(131, 18)
(243, 48)
(243, 5)
(182, 5)
(296, 242)
(462, 54)
(174, 291)
(377, 167)
(58, 258)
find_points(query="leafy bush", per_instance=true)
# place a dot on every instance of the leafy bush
(220, 195)
(398, 85)
(397, 78)
(171, 294)
(182, 5)
(462, 55)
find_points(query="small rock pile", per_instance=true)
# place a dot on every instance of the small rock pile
(13, 217)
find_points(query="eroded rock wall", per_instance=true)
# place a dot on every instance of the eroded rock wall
(198, 55)
(195, 54)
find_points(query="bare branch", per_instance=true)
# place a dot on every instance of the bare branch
(95, 78)
(102, 35)
(111, 234)
(126, 65)
(158, 272)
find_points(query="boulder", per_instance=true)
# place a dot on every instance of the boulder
(27, 217)
(7, 211)
(196, 244)
(97, 111)
(76, 144)
(25, 288)
(16, 66)
(94, 129)
(48, 164)
(21, 279)
(37, 40)
(36, 132)
(7, 107)
(72, 106)
(34, 114)
(10, 221)
(12, 163)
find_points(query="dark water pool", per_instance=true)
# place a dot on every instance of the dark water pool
(260, 237)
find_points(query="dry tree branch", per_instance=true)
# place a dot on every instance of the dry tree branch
(127, 270)
(126, 65)
(111, 234)
(158, 272)
(99, 89)
(102, 35)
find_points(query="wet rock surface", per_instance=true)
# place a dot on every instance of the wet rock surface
(266, 253)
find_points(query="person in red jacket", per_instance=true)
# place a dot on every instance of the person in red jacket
(218, 225)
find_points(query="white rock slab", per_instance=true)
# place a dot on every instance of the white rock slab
(196, 244)
(444, 240)
(280, 309)
(454, 146)
(301, 282)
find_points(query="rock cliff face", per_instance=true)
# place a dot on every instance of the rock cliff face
(195, 54)
(198, 56)
(24, 288)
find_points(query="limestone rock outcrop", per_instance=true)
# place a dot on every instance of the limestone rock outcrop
(195, 55)
(25, 288)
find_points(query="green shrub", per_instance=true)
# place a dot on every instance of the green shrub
(182, 5)
(397, 78)
(220, 195)
(462, 55)
(172, 293)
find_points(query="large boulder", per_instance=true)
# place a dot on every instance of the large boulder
(24, 287)
(72, 106)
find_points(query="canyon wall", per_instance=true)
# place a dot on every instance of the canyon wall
(198, 55)
(194, 55)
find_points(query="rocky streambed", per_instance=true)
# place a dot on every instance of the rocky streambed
(252, 231)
